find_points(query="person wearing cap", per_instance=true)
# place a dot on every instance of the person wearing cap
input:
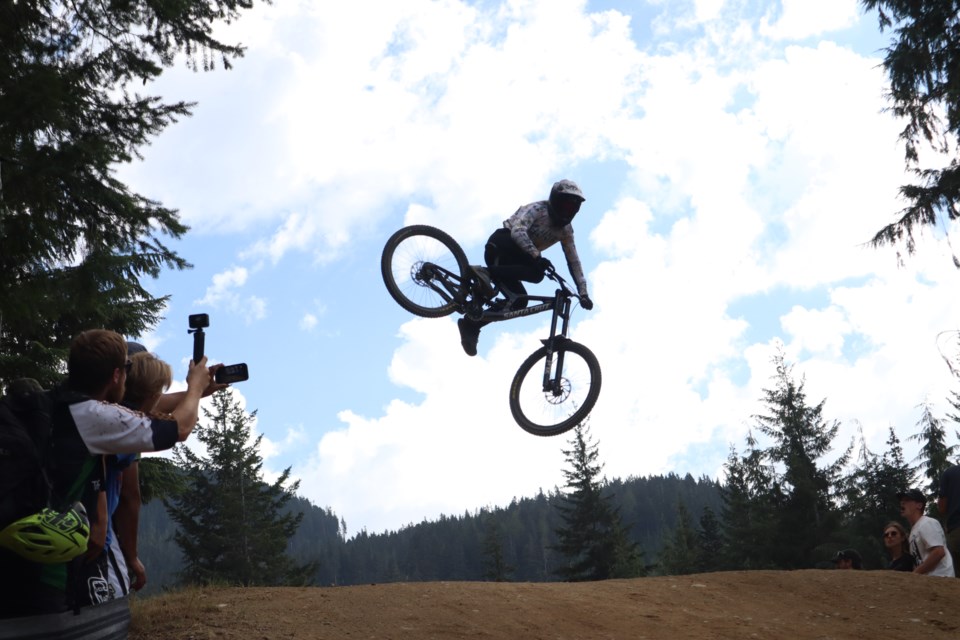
(848, 559)
(927, 540)
(514, 252)
(948, 504)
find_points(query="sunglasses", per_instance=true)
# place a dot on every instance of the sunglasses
(890, 534)
(128, 365)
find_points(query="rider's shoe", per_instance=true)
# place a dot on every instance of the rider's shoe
(469, 335)
(486, 288)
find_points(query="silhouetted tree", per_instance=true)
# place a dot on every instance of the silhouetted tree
(680, 553)
(74, 240)
(923, 64)
(709, 542)
(935, 454)
(232, 525)
(807, 510)
(496, 567)
(592, 538)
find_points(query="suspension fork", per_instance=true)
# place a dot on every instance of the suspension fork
(561, 316)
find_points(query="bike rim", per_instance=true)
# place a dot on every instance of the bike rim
(547, 408)
(410, 264)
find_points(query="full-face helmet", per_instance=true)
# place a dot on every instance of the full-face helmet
(564, 203)
(49, 536)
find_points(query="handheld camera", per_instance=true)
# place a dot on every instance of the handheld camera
(227, 374)
(230, 373)
(198, 322)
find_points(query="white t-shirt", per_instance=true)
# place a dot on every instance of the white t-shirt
(925, 534)
(112, 428)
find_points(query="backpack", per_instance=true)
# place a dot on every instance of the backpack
(25, 426)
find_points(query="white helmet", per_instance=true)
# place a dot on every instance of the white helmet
(566, 188)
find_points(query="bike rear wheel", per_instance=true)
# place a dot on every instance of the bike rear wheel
(407, 259)
(552, 412)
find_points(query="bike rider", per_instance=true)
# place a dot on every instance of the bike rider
(513, 252)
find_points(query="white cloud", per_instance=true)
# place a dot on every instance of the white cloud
(800, 19)
(735, 195)
(222, 294)
(308, 322)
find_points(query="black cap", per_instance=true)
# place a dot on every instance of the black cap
(848, 554)
(135, 347)
(912, 494)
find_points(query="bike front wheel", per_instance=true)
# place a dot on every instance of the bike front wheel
(410, 258)
(565, 400)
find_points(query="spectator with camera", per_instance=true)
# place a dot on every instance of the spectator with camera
(87, 423)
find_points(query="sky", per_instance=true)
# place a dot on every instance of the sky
(736, 156)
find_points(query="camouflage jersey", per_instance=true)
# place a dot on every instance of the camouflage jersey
(531, 228)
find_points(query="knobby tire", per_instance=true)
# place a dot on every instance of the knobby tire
(542, 414)
(404, 253)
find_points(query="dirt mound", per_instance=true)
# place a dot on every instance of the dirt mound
(794, 605)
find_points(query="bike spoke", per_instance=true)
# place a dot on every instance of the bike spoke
(410, 267)
(545, 406)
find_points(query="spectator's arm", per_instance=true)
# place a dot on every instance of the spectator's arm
(187, 412)
(169, 401)
(933, 559)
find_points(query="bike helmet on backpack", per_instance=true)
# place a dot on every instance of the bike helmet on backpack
(563, 190)
(49, 536)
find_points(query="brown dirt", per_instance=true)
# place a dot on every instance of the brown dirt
(772, 605)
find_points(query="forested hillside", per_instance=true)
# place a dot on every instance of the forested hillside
(455, 547)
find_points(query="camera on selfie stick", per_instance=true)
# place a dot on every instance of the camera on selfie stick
(227, 374)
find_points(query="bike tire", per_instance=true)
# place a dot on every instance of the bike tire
(543, 414)
(408, 249)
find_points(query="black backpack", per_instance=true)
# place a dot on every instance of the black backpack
(25, 426)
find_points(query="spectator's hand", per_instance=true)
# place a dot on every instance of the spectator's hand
(214, 386)
(198, 377)
(544, 264)
(586, 302)
(139, 574)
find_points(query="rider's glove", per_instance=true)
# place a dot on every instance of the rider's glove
(544, 264)
(586, 302)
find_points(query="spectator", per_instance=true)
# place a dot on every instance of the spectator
(895, 540)
(948, 504)
(86, 425)
(927, 541)
(147, 379)
(848, 559)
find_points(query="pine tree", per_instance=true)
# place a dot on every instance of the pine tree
(922, 64)
(74, 240)
(232, 528)
(592, 538)
(680, 554)
(934, 456)
(748, 515)
(870, 498)
(496, 567)
(806, 492)
(709, 542)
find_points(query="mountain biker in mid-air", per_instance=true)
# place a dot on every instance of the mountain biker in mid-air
(513, 252)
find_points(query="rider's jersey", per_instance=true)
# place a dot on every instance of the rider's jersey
(531, 229)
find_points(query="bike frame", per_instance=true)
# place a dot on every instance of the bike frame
(452, 288)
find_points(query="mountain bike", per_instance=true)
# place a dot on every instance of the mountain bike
(428, 274)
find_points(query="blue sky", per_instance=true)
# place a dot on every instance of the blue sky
(735, 157)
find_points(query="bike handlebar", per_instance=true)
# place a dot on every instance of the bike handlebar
(551, 272)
